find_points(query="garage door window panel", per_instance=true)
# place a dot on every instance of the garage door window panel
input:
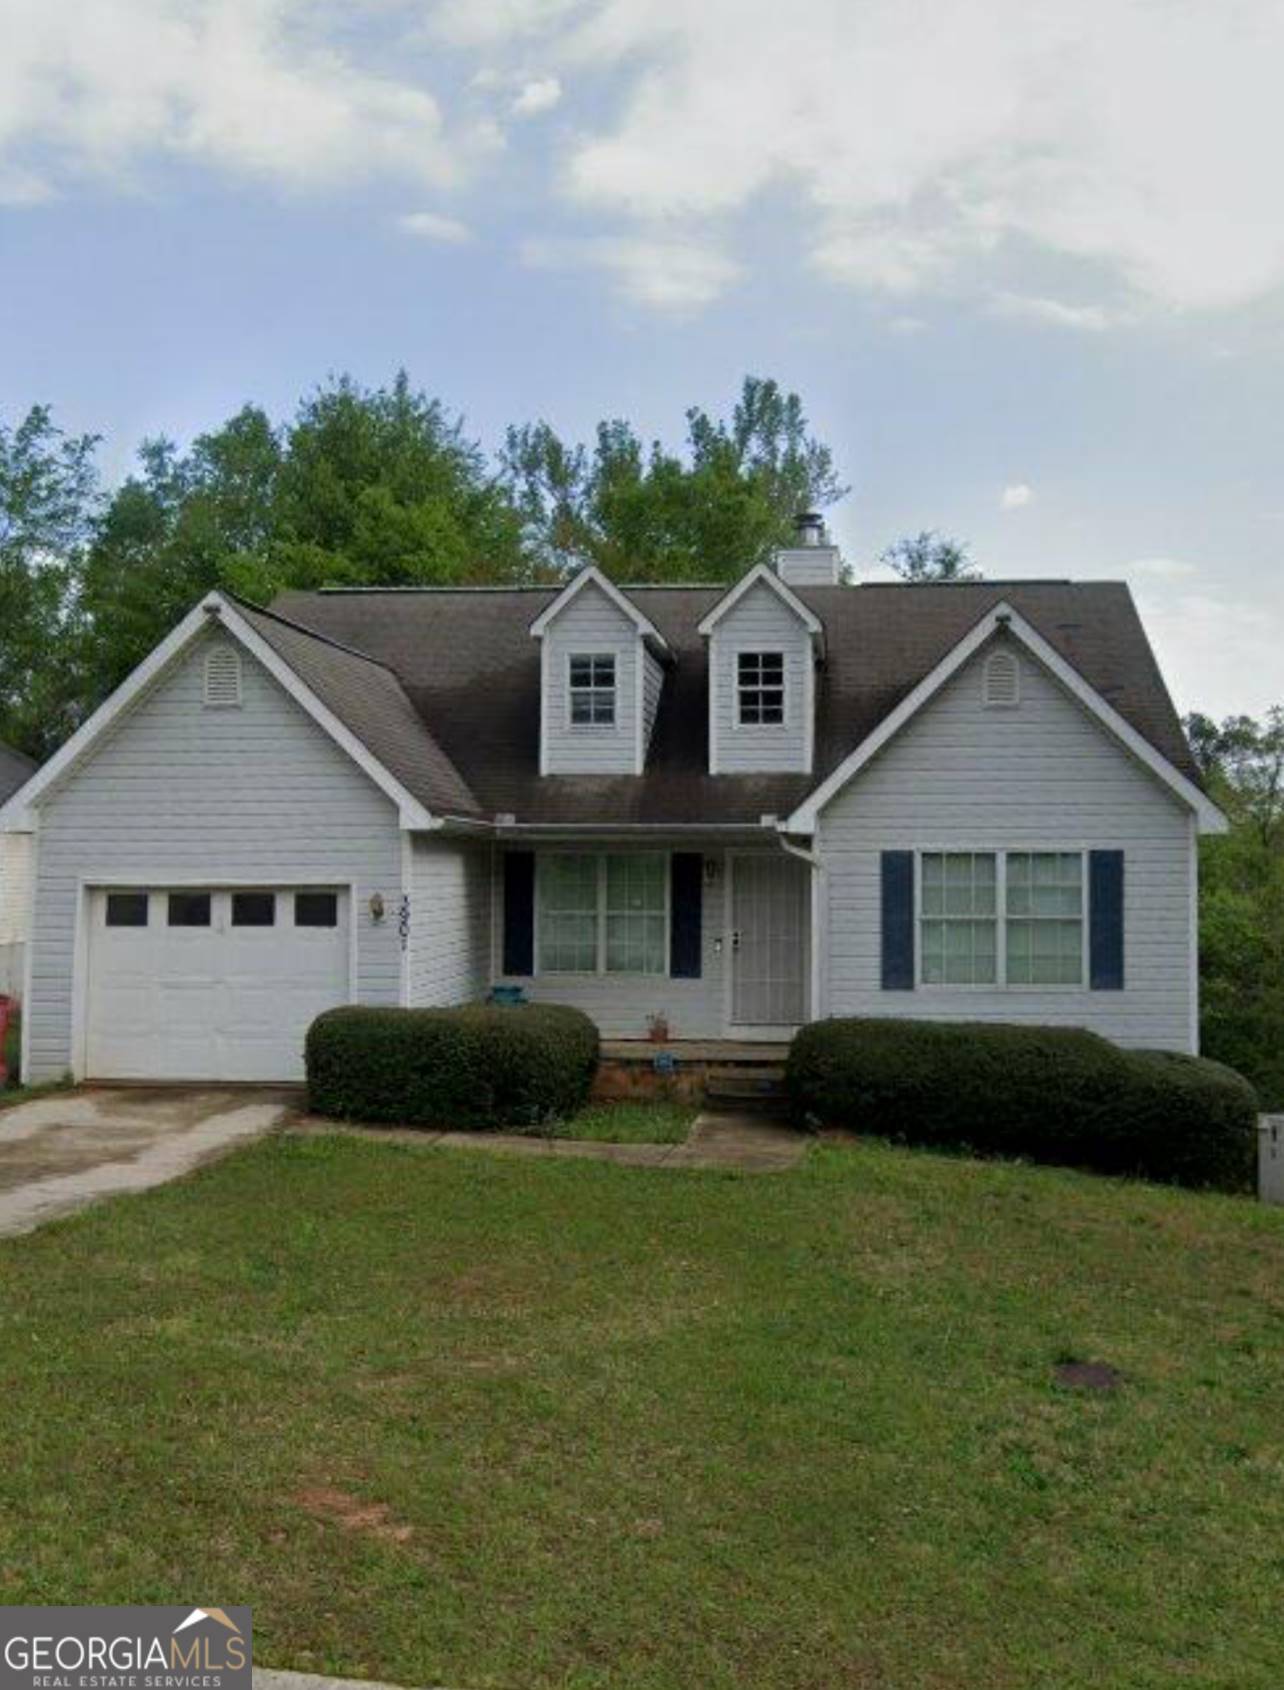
(127, 909)
(189, 909)
(316, 909)
(253, 909)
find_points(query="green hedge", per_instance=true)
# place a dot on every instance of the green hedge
(472, 1067)
(1054, 1094)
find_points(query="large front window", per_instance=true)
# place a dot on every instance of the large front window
(1001, 918)
(603, 913)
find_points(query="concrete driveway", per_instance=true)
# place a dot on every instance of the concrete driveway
(61, 1152)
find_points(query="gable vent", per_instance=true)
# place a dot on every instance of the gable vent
(1001, 687)
(222, 678)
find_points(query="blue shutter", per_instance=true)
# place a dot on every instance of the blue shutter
(898, 921)
(686, 903)
(519, 912)
(1106, 920)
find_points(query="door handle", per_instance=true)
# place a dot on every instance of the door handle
(735, 940)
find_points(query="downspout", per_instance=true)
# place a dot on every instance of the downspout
(814, 863)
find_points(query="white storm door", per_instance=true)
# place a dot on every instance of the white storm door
(770, 914)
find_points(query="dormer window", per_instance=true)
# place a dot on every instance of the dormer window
(760, 688)
(592, 690)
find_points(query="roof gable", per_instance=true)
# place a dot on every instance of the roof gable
(762, 575)
(592, 576)
(1004, 619)
(249, 627)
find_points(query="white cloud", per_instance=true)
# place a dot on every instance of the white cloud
(535, 98)
(1133, 142)
(667, 274)
(258, 87)
(1218, 654)
(1160, 569)
(1138, 139)
(1057, 312)
(1016, 496)
(432, 226)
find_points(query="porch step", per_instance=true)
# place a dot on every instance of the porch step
(761, 1090)
(756, 1074)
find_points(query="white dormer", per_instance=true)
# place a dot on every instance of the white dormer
(601, 673)
(764, 644)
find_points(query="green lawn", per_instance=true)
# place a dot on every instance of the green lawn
(449, 1418)
(631, 1123)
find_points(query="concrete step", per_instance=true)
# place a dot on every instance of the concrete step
(756, 1072)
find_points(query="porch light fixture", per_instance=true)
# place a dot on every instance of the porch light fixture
(710, 870)
(377, 907)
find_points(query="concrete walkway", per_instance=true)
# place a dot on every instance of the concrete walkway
(60, 1152)
(745, 1142)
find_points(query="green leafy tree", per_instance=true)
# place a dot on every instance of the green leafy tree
(48, 499)
(366, 487)
(1241, 897)
(643, 513)
(930, 556)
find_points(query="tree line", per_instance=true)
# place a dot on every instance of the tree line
(384, 487)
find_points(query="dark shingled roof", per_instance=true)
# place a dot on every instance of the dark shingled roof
(16, 769)
(368, 699)
(467, 664)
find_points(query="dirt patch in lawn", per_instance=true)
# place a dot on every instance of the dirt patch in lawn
(341, 1508)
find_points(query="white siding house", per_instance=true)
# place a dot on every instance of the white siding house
(1042, 777)
(357, 804)
(178, 795)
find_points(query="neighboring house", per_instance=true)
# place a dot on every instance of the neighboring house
(15, 770)
(740, 808)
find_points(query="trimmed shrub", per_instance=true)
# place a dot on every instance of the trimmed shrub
(1053, 1094)
(472, 1067)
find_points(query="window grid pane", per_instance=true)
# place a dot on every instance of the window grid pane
(958, 918)
(636, 920)
(1045, 918)
(568, 914)
(760, 683)
(593, 690)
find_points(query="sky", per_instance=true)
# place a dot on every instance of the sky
(1024, 261)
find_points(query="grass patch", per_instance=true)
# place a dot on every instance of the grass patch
(446, 1418)
(630, 1123)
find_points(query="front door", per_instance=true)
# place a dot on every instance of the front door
(769, 948)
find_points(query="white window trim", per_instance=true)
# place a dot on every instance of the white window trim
(754, 729)
(601, 972)
(1001, 853)
(611, 727)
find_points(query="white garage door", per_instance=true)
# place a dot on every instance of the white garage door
(197, 984)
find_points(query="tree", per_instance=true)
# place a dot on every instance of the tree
(1241, 897)
(48, 498)
(646, 514)
(930, 556)
(1243, 763)
(366, 487)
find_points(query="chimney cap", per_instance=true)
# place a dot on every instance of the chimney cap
(809, 526)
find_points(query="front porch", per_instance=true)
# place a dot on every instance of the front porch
(734, 1072)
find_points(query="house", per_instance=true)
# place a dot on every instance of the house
(15, 770)
(737, 807)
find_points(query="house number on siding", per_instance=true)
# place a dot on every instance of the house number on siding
(403, 920)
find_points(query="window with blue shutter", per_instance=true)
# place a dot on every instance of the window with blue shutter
(686, 904)
(1106, 920)
(898, 921)
(519, 912)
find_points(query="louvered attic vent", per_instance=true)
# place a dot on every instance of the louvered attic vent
(222, 678)
(1001, 688)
